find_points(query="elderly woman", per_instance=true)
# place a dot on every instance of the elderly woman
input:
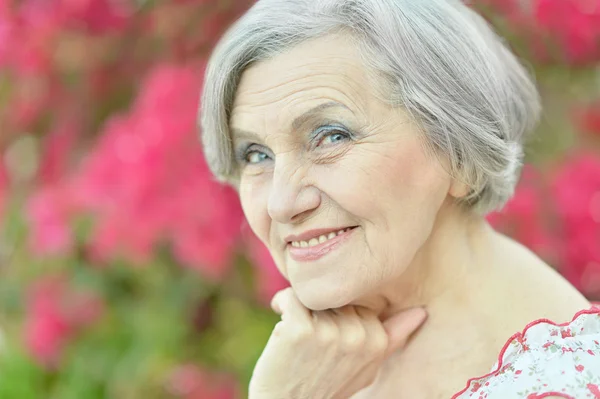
(367, 140)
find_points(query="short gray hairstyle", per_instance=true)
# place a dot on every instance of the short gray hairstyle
(438, 59)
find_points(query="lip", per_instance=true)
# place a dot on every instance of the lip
(308, 254)
(307, 235)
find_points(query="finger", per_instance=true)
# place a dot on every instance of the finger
(352, 332)
(400, 326)
(275, 301)
(377, 337)
(288, 305)
(326, 328)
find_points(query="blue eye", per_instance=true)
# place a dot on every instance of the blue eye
(334, 136)
(253, 156)
(250, 155)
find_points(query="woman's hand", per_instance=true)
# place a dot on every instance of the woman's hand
(329, 354)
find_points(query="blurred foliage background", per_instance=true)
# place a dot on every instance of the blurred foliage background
(126, 271)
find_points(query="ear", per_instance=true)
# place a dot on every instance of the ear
(458, 189)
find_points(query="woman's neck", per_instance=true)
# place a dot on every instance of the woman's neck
(456, 257)
(466, 278)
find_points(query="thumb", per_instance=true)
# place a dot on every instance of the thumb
(400, 326)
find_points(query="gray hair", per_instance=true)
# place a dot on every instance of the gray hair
(437, 58)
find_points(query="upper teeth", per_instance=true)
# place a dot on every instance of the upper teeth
(318, 240)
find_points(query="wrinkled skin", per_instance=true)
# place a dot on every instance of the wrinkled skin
(361, 162)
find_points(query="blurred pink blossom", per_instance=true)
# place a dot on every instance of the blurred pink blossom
(58, 144)
(4, 186)
(29, 29)
(6, 26)
(588, 118)
(31, 33)
(525, 217)
(48, 213)
(146, 183)
(97, 16)
(576, 189)
(557, 30)
(56, 312)
(189, 381)
(147, 180)
(31, 97)
(573, 24)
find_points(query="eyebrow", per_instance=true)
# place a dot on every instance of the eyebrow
(296, 124)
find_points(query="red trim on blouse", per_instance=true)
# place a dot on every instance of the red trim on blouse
(595, 309)
(546, 394)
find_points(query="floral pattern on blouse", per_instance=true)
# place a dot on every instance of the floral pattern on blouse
(546, 359)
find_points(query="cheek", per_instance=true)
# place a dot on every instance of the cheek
(377, 179)
(395, 191)
(253, 198)
(254, 207)
(414, 180)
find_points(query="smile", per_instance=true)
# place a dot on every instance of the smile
(318, 240)
(315, 248)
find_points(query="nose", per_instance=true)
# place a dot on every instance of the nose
(290, 198)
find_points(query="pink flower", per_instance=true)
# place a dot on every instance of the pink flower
(31, 98)
(594, 390)
(526, 215)
(189, 381)
(566, 333)
(48, 213)
(56, 149)
(47, 329)
(576, 190)
(476, 386)
(56, 312)
(6, 27)
(96, 16)
(579, 368)
(574, 24)
(4, 187)
(146, 183)
(588, 118)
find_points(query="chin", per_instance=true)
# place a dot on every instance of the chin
(318, 298)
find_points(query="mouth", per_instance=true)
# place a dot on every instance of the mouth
(318, 247)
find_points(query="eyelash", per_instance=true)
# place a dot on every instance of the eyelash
(319, 135)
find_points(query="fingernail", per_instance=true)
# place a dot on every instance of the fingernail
(275, 305)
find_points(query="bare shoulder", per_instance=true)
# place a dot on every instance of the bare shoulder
(541, 288)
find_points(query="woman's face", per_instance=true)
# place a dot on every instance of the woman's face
(318, 153)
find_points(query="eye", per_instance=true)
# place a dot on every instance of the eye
(334, 137)
(331, 136)
(325, 135)
(253, 156)
(250, 154)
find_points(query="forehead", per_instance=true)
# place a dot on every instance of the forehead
(320, 70)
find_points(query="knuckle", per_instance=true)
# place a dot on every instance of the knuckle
(301, 334)
(378, 344)
(355, 340)
(327, 334)
(285, 294)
